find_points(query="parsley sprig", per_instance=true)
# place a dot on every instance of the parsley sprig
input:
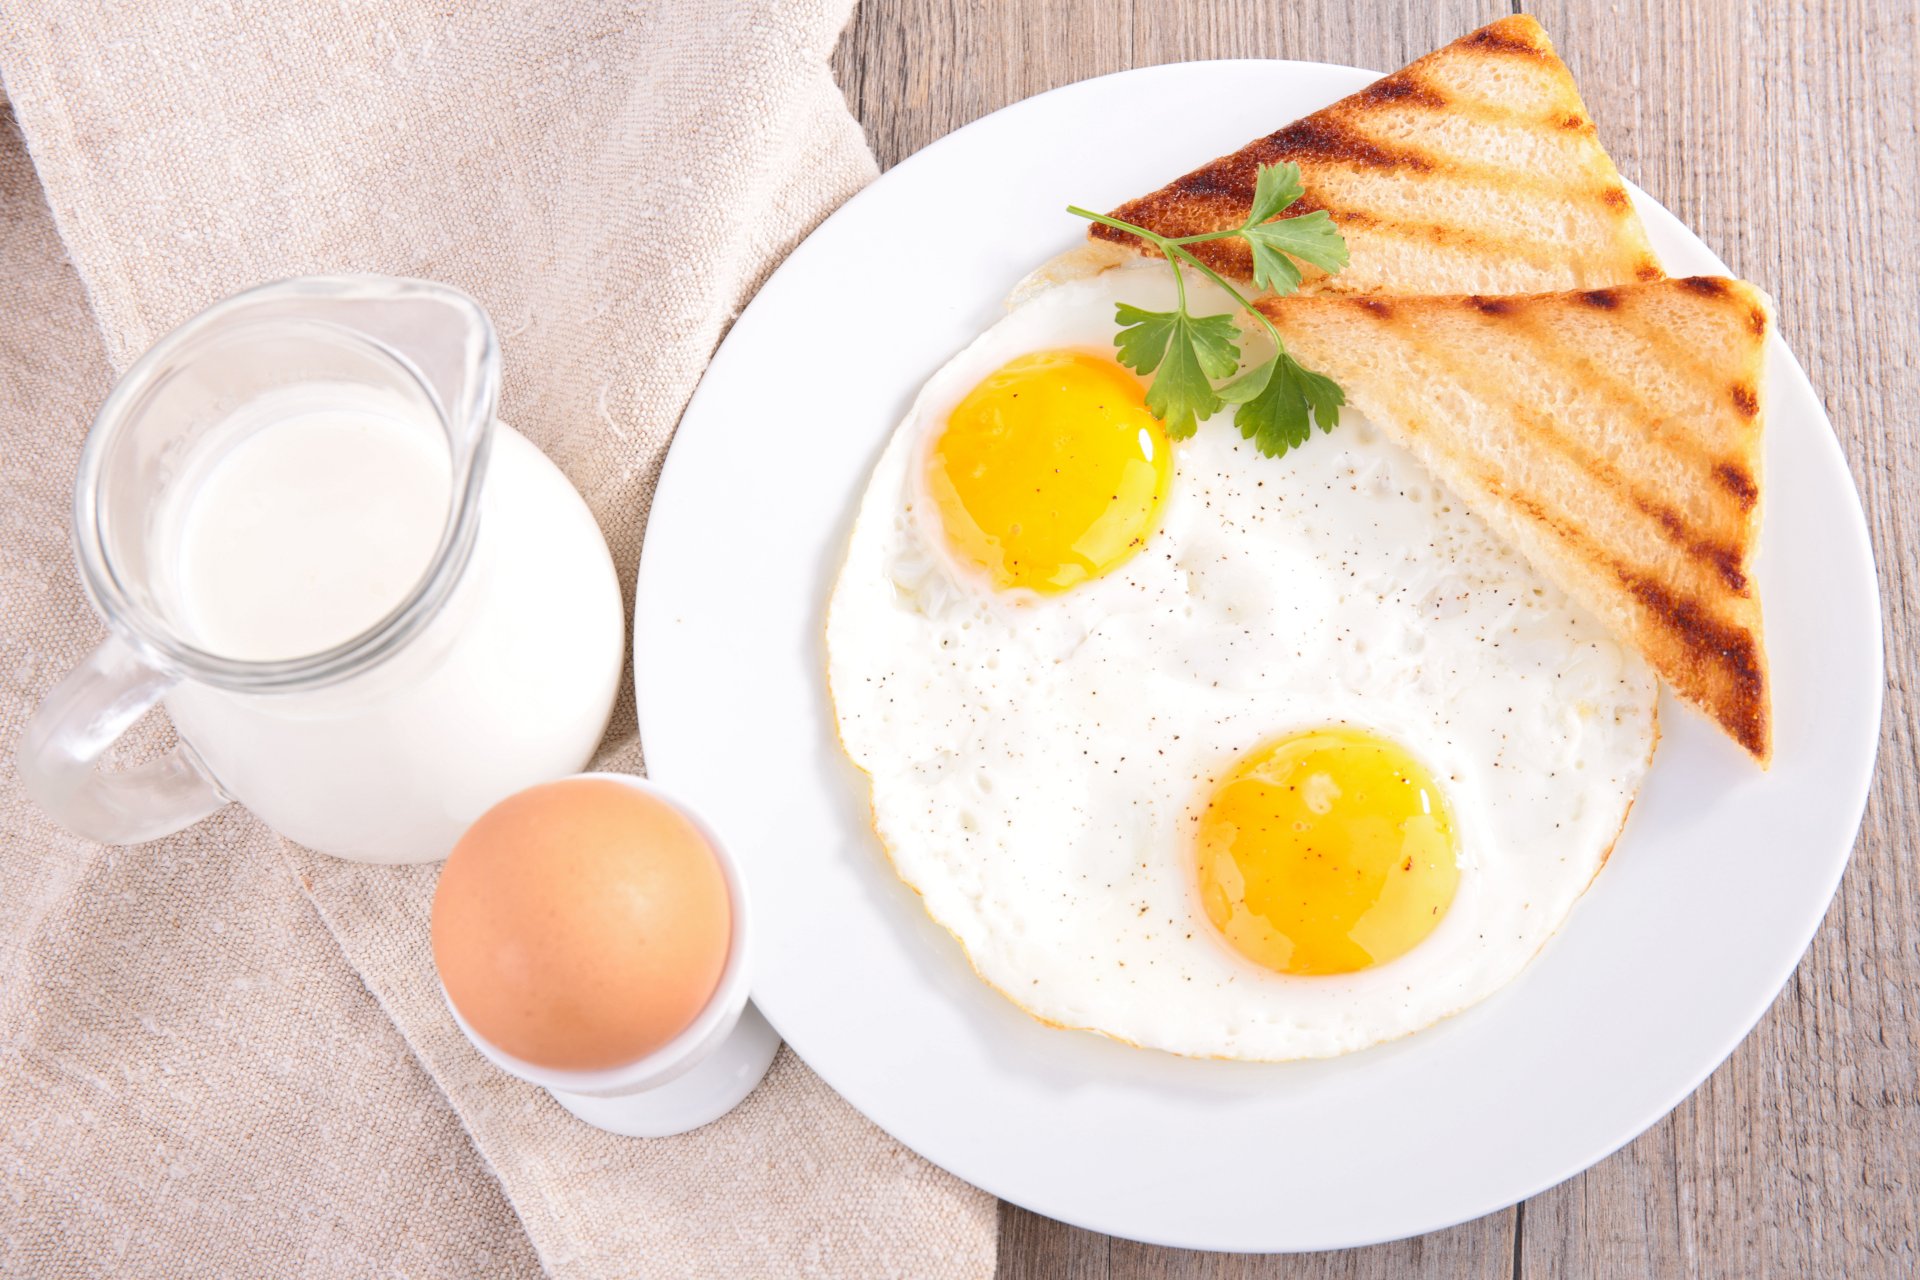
(1276, 403)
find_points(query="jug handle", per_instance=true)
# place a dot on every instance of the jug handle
(84, 715)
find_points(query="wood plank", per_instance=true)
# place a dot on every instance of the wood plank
(1037, 1248)
(1479, 1250)
(1785, 133)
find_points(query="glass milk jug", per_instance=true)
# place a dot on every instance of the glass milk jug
(370, 609)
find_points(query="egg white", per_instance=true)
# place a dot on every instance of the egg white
(1038, 763)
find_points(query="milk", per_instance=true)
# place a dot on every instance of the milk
(307, 531)
(305, 523)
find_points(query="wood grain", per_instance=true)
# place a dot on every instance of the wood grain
(1788, 135)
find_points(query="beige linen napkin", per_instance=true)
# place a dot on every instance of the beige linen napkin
(192, 1078)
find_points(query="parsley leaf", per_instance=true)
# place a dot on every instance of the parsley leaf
(1275, 188)
(1311, 237)
(1185, 354)
(1280, 402)
(1249, 384)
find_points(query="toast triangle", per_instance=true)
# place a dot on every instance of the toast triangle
(1475, 169)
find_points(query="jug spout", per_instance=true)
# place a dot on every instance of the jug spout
(440, 332)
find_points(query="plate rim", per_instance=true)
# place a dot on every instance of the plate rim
(1857, 532)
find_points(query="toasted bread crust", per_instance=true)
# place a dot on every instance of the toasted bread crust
(1612, 435)
(1473, 169)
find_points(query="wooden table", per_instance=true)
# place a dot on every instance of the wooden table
(1785, 134)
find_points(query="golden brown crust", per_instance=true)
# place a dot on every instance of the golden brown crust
(1612, 435)
(1475, 168)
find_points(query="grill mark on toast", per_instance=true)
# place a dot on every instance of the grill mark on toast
(1725, 560)
(1607, 198)
(1214, 179)
(1502, 37)
(1363, 106)
(1696, 545)
(1686, 446)
(1739, 482)
(1742, 395)
(1705, 286)
(1401, 89)
(1332, 139)
(1733, 649)
(1544, 255)
(1234, 258)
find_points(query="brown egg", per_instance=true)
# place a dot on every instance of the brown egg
(581, 924)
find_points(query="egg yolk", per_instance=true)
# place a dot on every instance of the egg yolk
(1327, 852)
(1051, 471)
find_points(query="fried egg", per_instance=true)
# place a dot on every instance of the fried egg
(1208, 752)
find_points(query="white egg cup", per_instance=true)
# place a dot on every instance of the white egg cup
(696, 1077)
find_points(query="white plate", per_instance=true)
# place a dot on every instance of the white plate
(1710, 898)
